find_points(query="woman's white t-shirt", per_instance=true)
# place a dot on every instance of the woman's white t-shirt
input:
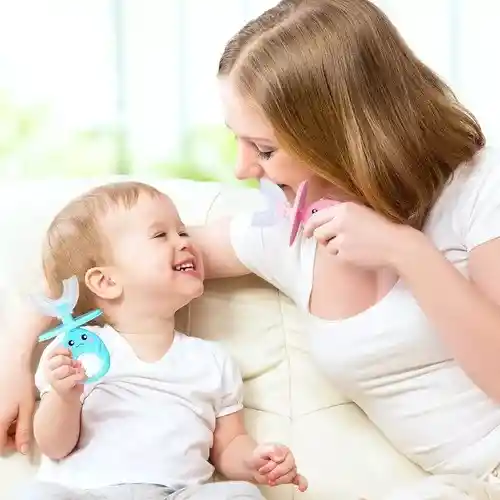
(389, 359)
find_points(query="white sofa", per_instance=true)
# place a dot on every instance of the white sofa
(287, 399)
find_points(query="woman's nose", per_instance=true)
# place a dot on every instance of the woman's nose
(247, 166)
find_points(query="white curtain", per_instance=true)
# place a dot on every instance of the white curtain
(92, 85)
(459, 39)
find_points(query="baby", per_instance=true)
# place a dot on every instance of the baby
(169, 410)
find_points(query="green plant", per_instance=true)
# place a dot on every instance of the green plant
(34, 145)
(207, 153)
(19, 125)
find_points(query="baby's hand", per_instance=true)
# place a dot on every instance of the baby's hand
(64, 373)
(274, 464)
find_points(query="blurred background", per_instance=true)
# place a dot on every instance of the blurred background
(97, 87)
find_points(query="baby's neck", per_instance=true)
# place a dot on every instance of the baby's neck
(150, 337)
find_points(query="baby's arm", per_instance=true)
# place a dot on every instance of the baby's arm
(57, 420)
(234, 453)
(57, 425)
(239, 458)
(233, 448)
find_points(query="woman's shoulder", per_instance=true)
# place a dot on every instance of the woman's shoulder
(469, 180)
(483, 169)
(471, 200)
(265, 250)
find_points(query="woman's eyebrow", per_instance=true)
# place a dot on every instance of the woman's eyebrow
(248, 138)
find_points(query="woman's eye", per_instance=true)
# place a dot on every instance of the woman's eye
(184, 234)
(160, 235)
(265, 155)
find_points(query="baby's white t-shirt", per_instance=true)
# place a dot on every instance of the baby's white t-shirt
(149, 422)
(390, 359)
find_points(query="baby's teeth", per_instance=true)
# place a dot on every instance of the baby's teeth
(184, 267)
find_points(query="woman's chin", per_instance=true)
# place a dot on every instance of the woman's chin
(289, 193)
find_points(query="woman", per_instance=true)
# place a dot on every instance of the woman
(400, 281)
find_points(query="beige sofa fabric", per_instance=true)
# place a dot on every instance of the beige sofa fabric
(287, 399)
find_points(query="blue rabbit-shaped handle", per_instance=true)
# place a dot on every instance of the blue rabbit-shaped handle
(85, 346)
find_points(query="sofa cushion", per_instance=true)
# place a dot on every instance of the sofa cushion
(287, 399)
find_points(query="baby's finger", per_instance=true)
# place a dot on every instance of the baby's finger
(58, 361)
(283, 478)
(301, 482)
(282, 470)
(280, 454)
(256, 462)
(76, 364)
(72, 381)
(62, 372)
(59, 351)
(266, 469)
(265, 451)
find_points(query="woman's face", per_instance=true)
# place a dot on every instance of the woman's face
(259, 154)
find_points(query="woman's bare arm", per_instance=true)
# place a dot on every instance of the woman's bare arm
(24, 327)
(465, 311)
(17, 404)
(219, 258)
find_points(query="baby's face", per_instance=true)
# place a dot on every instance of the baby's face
(157, 264)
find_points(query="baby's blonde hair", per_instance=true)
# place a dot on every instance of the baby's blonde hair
(75, 242)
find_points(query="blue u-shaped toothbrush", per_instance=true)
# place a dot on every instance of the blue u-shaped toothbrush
(85, 346)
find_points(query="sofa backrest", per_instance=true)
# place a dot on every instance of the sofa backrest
(287, 399)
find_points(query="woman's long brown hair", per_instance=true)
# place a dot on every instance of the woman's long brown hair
(345, 94)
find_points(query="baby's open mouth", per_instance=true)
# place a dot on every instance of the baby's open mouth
(187, 265)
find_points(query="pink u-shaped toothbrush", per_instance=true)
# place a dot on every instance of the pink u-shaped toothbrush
(302, 212)
(278, 207)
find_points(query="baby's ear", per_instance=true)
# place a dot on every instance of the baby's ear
(100, 282)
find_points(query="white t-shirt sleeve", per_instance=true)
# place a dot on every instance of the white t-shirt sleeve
(480, 206)
(264, 250)
(230, 397)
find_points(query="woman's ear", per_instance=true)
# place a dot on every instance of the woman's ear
(101, 283)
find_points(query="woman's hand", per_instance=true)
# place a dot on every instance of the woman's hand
(358, 235)
(17, 402)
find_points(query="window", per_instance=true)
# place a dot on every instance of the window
(93, 87)
(457, 39)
